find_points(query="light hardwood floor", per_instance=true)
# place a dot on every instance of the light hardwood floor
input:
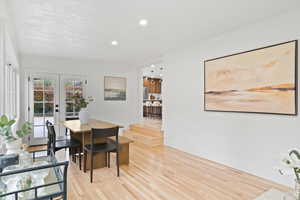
(145, 135)
(154, 123)
(168, 174)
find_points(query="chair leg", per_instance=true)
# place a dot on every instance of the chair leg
(118, 164)
(84, 160)
(71, 154)
(74, 156)
(92, 166)
(108, 159)
(79, 158)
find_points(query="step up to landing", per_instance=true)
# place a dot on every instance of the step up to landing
(144, 135)
(145, 129)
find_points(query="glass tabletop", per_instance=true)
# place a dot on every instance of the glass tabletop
(34, 176)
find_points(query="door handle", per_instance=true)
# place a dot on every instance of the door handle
(56, 108)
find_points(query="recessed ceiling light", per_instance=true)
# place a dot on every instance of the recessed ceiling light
(114, 43)
(152, 66)
(143, 22)
(160, 75)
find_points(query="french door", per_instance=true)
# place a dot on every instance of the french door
(70, 85)
(50, 99)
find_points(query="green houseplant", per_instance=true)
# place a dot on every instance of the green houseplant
(81, 105)
(80, 102)
(13, 141)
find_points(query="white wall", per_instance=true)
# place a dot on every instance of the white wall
(249, 142)
(2, 56)
(8, 54)
(7, 21)
(122, 112)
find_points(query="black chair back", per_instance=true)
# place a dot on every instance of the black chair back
(51, 137)
(48, 124)
(48, 138)
(104, 133)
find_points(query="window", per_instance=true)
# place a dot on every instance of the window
(10, 91)
(9, 76)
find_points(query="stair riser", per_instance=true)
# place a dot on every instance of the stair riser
(140, 137)
(152, 142)
(145, 130)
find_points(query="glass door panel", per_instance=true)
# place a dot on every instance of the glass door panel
(43, 105)
(70, 85)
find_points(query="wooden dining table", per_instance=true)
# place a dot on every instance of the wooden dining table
(82, 132)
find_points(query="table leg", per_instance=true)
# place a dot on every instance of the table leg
(124, 154)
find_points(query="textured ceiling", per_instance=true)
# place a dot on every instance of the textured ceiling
(85, 28)
(155, 71)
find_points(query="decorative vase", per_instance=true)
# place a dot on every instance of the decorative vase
(14, 146)
(83, 116)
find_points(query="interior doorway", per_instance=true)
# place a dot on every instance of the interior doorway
(152, 96)
(50, 99)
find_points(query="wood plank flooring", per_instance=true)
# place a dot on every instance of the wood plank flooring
(145, 135)
(154, 123)
(164, 173)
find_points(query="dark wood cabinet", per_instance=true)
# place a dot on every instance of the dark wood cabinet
(158, 86)
(152, 111)
(146, 82)
(153, 85)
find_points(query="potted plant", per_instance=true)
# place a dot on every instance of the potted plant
(13, 141)
(291, 163)
(81, 105)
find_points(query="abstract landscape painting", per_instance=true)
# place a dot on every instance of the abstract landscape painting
(259, 81)
(114, 88)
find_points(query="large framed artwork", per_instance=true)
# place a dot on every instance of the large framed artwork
(263, 80)
(114, 88)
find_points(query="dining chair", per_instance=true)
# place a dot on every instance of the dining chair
(106, 147)
(56, 145)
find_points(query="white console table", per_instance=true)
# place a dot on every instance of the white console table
(274, 194)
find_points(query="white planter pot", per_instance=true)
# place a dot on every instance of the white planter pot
(14, 146)
(83, 116)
